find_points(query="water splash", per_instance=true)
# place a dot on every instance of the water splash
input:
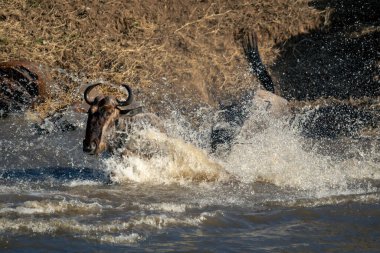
(267, 149)
(174, 161)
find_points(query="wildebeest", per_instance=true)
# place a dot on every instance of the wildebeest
(318, 120)
(107, 115)
(234, 113)
(124, 130)
(22, 83)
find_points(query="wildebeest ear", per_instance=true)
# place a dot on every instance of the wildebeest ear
(132, 109)
(131, 112)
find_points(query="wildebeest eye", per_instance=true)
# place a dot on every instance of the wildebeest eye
(106, 113)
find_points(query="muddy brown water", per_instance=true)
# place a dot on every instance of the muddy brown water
(281, 196)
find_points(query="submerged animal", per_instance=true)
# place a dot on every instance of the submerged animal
(233, 114)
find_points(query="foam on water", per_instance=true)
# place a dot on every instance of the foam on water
(120, 231)
(167, 207)
(75, 183)
(51, 206)
(131, 238)
(175, 161)
(330, 200)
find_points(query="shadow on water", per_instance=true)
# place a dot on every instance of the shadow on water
(61, 174)
(338, 64)
(338, 60)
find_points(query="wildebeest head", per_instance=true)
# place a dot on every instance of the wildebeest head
(102, 114)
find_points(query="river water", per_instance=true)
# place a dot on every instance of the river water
(273, 191)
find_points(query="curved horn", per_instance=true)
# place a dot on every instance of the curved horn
(129, 99)
(87, 92)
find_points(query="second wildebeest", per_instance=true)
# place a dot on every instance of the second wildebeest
(232, 114)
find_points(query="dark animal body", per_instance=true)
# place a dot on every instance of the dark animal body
(109, 117)
(258, 69)
(22, 83)
(103, 111)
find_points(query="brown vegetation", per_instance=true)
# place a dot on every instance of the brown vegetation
(167, 50)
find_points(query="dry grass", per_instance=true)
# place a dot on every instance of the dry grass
(183, 51)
